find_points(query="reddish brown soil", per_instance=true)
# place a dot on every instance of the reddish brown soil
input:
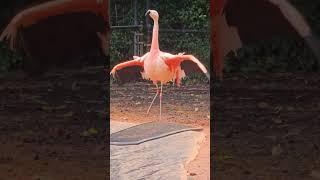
(267, 127)
(43, 126)
(188, 104)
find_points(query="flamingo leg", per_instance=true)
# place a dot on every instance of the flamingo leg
(153, 99)
(160, 100)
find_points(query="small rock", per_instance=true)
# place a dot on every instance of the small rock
(36, 156)
(235, 79)
(263, 105)
(290, 108)
(272, 137)
(277, 150)
(277, 121)
(293, 132)
(66, 115)
(315, 174)
(74, 86)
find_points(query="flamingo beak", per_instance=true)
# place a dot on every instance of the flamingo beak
(147, 13)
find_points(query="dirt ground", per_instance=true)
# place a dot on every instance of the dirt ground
(188, 104)
(266, 127)
(53, 127)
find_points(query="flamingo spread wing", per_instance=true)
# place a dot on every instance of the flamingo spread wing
(131, 70)
(175, 63)
(239, 22)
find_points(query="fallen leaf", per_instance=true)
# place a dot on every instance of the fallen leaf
(85, 134)
(69, 114)
(89, 132)
(277, 120)
(93, 131)
(277, 150)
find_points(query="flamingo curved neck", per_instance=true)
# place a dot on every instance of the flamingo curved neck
(155, 34)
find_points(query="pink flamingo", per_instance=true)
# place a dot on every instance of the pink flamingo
(160, 66)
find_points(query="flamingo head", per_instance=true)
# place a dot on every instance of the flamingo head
(153, 14)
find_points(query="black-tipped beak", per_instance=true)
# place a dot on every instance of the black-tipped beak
(147, 13)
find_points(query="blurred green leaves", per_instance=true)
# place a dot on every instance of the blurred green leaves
(8, 59)
(278, 55)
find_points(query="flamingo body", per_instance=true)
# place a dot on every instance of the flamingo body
(157, 70)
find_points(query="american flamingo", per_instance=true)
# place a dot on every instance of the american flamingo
(160, 67)
(237, 22)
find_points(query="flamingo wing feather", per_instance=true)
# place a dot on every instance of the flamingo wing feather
(187, 62)
(128, 71)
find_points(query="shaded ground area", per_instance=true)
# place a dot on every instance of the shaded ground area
(267, 127)
(53, 127)
(188, 104)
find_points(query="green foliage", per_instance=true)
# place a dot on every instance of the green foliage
(121, 46)
(8, 59)
(271, 56)
(279, 55)
(310, 9)
(8, 8)
(192, 14)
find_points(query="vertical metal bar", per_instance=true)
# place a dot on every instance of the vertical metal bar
(148, 22)
(116, 11)
(135, 12)
(135, 38)
(135, 43)
(141, 44)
